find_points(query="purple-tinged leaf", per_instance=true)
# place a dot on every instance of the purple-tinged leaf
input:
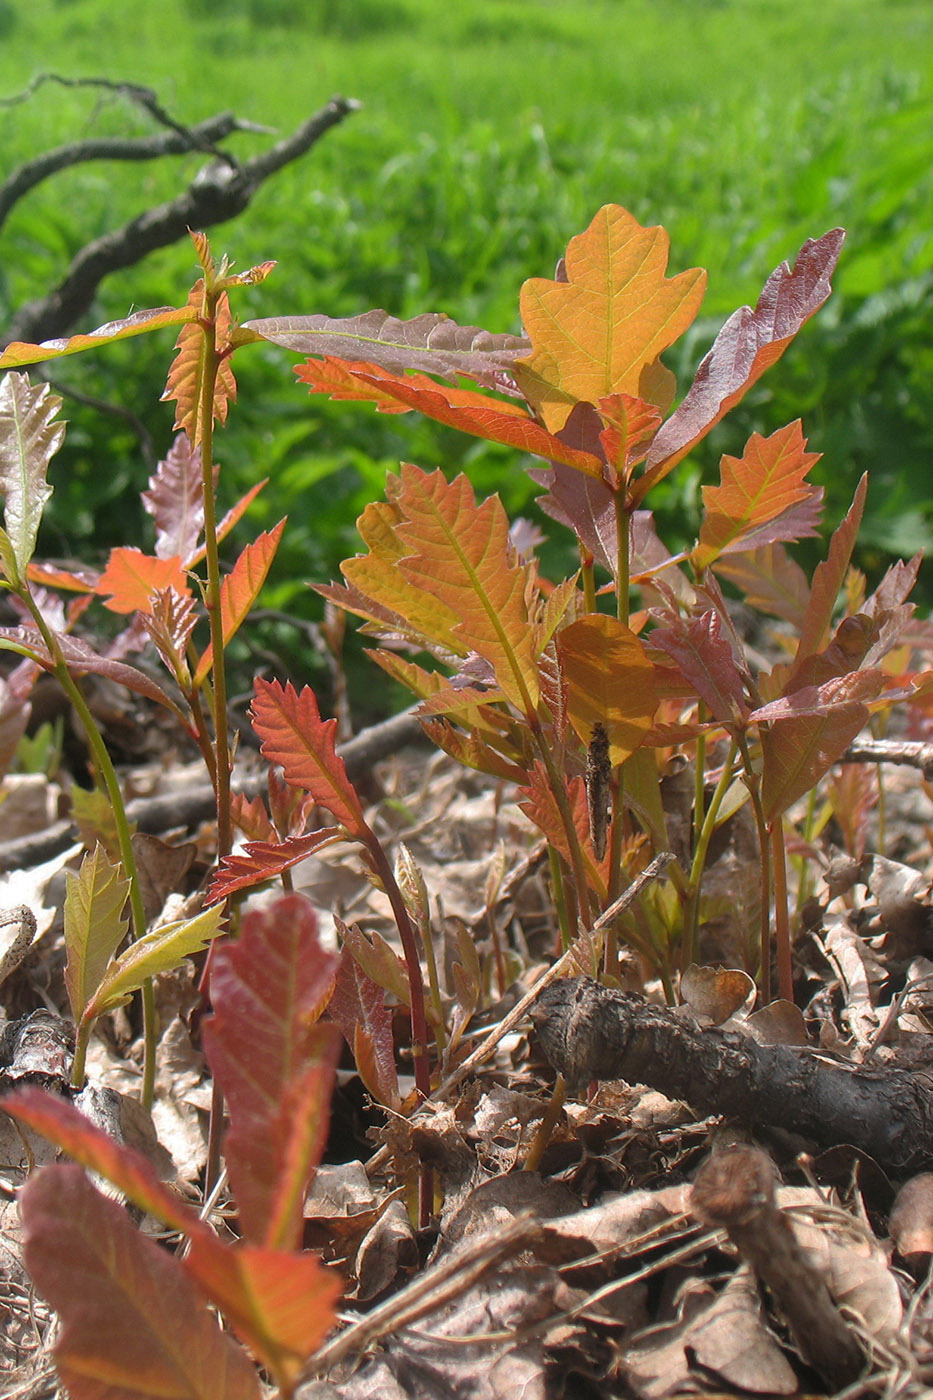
(81, 659)
(852, 687)
(175, 500)
(770, 581)
(431, 343)
(828, 579)
(749, 343)
(705, 658)
(29, 438)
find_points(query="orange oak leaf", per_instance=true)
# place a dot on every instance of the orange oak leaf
(240, 589)
(186, 376)
(19, 352)
(496, 420)
(131, 578)
(828, 578)
(756, 488)
(609, 681)
(602, 329)
(264, 860)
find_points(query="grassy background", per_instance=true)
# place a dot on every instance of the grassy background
(490, 133)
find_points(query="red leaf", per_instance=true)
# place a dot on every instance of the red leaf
(748, 344)
(601, 329)
(240, 589)
(293, 735)
(251, 817)
(706, 659)
(828, 578)
(273, 1063)
(767, 481)
(433, 343)
(539, 804)
(186, 376)
(840, 691)
(132, 1323)
(358, 1007)
(798, 752)
(263, 860)
(175, 500)
(131, 578)
(496, 420)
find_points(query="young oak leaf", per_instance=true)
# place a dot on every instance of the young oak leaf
(274, 1063)
(358, 1007)
(749, 343)
(461, 553)
(95, 925)
(706, 660)
(131, 578)
(29, 438)
(769, 581)
(755, 489)
(186, 376)
(175, 500)
(20, 352)
(602, 329)
(133, 1325)
(293, 735)
(496, 420)
(240, 589)
(156, 952)
(264, 860)
(828, 579)
(609, 682)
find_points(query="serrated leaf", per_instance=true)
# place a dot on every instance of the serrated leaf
(496, 420)
(250, 816)
(274, 1064)
(175, 500)
(159, 951)
(756, 488)
(432, 343)
(602, 329)
(186, 376)
(29, 438)
(472, 751)
(609, 681)
(132, 1323)
(170, 624)
(461, 553)
(131, 578)
(19, 352)
(358, 1007)
(95, 901)
(816, 700)
(294, 736)
(539, 804)
(263, 860)
(240, 589)
(748, 344)
(706, 659)
(828, 579)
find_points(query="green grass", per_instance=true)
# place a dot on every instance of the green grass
(491, 131)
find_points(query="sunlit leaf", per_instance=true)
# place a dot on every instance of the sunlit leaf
(156, 952)
(263, 860)
(609, 681)
(95, 926)
(798, 752)
(359, 1008)
(29, 438)
(187, 374)
(170, 623)
(496, 420)
(132, 1323)
(432, 343)
(274, 1063)
(769, 580)
(538, 803)
(828, 578)
(175, 500)
(601, 330)
(131, 578)
(240, 589)
(765, 482)
(378, 960)
(748, 344)
(294, 736)
(20, 353)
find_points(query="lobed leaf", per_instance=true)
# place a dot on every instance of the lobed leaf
(828, 578)
(609, 681)
(159, 951)
(496, 420)
(190, 365)
(359, 1008)
(264, 860)
(20, 353)
(29, 438)
(749, 343)
(131, 579)
(706, 659)
(430, 342)
(132, 1323)
(240, 589)
(95, 902)
(765, 483)
(175, 500)
(274, 1064)
(769, 580)
(601, 330)
(294, 736)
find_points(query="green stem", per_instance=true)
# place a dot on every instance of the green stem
(781, 914)
(705, 835)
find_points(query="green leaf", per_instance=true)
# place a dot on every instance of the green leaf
(94, 925)
(28, 441)
(147, 957)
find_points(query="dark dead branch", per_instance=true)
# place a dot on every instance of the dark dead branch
(910, 753)
(590, 1032)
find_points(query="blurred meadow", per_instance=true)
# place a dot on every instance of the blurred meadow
(490, 132)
